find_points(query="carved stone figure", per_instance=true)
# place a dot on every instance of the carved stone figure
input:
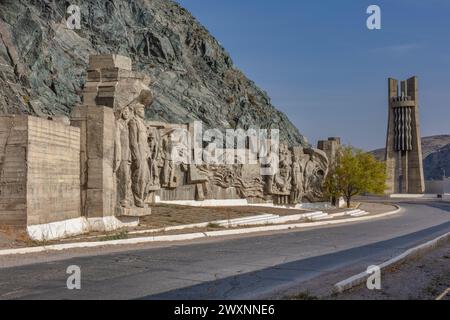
(297, 179)
(282, 180)
(168, 173)
(316, 169)
(122, 163)
(309, 171)
(155, 157)
(140, 154)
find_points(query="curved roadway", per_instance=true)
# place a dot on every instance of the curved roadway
(240, 268)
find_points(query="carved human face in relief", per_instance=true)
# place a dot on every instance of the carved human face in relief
(139, 109)
(151, 137)
(125, 114)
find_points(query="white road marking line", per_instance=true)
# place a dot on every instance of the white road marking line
(443, 294)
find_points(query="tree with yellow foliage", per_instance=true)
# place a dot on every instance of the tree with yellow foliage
(355, 172)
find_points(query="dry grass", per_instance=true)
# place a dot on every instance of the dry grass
(169, 215)
(122, 234)
(305, 295)
(214, 226)
(11, 236)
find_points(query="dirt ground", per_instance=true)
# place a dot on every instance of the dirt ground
(170, 215)
(423, 278)
(420, 279)
(11, 237)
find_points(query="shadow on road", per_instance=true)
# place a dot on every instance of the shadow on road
(262, 283)
(444, 206)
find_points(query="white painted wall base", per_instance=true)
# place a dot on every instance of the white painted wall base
(271, 205)
(111, 223)
(57, 230)
(406, 196)
(207, 203)
(73, 227)
(316, 206)
(412, 196)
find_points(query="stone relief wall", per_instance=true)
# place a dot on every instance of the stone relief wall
(300, 177)
(146, 167)
(148, 156)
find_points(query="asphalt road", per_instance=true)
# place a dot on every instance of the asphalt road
(242, 268)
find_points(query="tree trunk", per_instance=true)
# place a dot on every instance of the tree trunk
(348, 202)
(334, 201)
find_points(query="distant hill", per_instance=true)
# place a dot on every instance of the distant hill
(437, 163)
(436, 155)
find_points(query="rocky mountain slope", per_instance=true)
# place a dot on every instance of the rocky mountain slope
(436, 156)
(437, 164)
(43, 63)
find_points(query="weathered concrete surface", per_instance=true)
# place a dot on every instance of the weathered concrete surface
(404, 166)
(13, 191)
(97, 125)
(330, 147)
(247, 267)
(53, 177)
(40, 171)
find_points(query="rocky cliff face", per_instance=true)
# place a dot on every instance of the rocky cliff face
(43, 63)
(437, 164)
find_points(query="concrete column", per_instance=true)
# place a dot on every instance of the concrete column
(97, 126)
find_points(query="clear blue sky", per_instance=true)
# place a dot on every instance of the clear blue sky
(322, 67)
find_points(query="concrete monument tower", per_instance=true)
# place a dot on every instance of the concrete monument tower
(403, 143)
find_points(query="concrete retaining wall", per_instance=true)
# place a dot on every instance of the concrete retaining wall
(40, 171)
(13, 173)
(438, 187)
